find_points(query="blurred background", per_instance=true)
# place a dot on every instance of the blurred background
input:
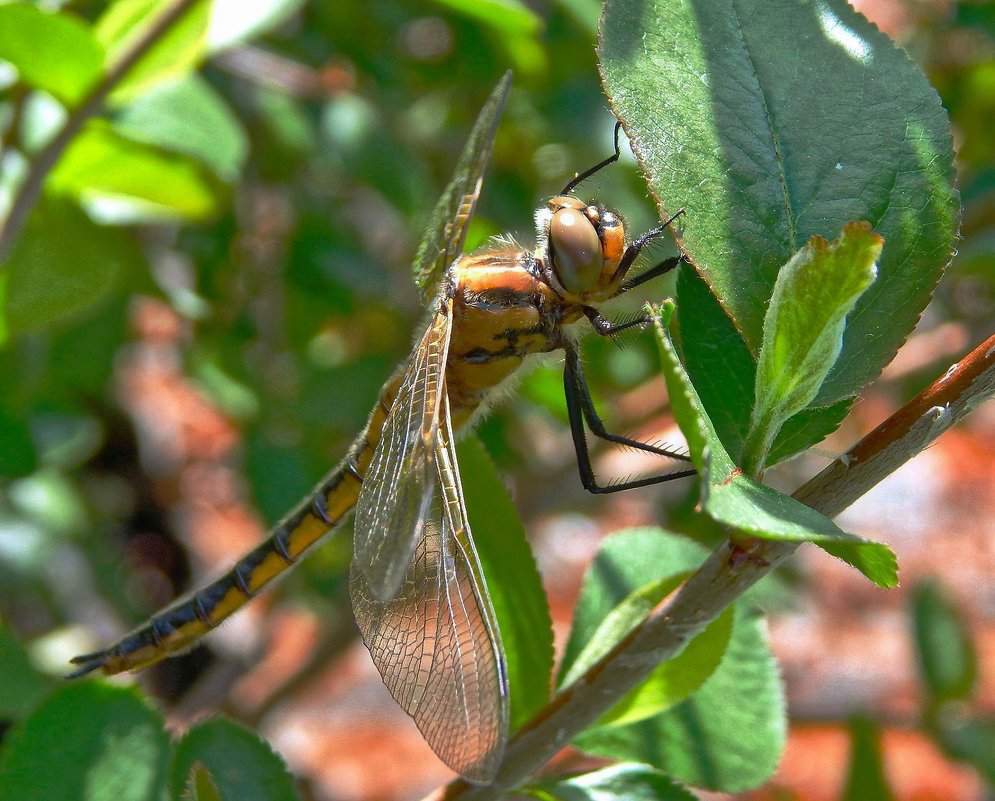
(152, 435)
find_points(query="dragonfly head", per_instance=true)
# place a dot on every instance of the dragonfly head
(581, 245)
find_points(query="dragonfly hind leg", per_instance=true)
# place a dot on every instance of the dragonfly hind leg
(580, 409)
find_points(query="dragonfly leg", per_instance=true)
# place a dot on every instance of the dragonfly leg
(580, 409)
(596, 168)
(662, 268)
(635, 247)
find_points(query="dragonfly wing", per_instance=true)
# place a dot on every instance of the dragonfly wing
(436, 643)
(400, 481)
(443, 239)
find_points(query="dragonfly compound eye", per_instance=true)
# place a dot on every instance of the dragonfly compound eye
(575, 250)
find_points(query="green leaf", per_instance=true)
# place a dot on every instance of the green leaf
(625, 562)
(730, 497)
(57, 53)
(732, 117)
(88, 741)
(174, 55)
(803, 330)
(21, 686)
(662, 560)
(125, 180)
(61, 266)
(806, 428)
(866, 780)
(512, 580)
(626, 782)
(677, 678)
(728, 736)
(947, 659)
(723, 371)
(17, 449)
(970, 740)
(508, 17)
(242, 766)
(619, 622)
(720, 364)
(200, 785)
(189, 117)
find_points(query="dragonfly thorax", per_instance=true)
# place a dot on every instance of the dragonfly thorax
(581, 246)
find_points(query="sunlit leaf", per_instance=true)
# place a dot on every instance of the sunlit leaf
(730, 497)
(174, 54)
(803, 330)
(130, 181)
(613, 602)
(54, 52)
(764, 153)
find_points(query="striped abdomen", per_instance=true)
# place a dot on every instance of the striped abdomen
(178, 627)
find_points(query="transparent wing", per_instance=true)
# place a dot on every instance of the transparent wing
(445, 233)
(400, 481)
(436, 643)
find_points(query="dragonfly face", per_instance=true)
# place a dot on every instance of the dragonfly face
(584, 245)
(418, 591)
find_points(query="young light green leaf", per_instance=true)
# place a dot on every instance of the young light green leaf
(676, 679)
(866, 780)
(947, 659)
(803, 330)
(728, 736)
(124, 180)
(625, 782)
(512, 579)
(57, 53)
(87, 742)
(174, 55)
(619, 622)
(732, 498)
(730, 114)
(243, 767)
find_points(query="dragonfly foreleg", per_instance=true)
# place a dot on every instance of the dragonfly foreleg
(580, 409)
(656, 271)
(635, 247)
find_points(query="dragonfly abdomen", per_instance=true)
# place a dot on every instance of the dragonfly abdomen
(178, 627)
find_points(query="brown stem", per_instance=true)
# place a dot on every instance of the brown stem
(92, 103)
(732, 569)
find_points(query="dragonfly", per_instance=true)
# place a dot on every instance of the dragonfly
(416, 583)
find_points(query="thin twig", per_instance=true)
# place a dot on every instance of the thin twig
(730, 570)
(92, 103)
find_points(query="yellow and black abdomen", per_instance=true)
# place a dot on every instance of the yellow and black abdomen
(501, 314)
